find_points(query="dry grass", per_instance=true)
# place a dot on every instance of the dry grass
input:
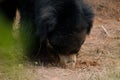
(106, 8)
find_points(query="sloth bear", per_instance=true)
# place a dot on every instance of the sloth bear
(61, 25)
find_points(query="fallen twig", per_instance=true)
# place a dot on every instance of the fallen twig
(105, 30)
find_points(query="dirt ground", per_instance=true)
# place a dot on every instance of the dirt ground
(99, 57)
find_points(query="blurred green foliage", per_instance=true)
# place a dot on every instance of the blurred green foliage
(11, 55)
(5, 32)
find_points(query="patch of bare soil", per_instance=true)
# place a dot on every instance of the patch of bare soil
(102, 46)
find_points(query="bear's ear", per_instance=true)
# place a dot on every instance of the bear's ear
(89, 15)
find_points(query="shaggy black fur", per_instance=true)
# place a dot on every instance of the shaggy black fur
(63, 24)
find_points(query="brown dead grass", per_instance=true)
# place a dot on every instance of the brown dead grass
(106, 8)
(101, 49)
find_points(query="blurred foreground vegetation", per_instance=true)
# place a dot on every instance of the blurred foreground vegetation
(11, 55)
